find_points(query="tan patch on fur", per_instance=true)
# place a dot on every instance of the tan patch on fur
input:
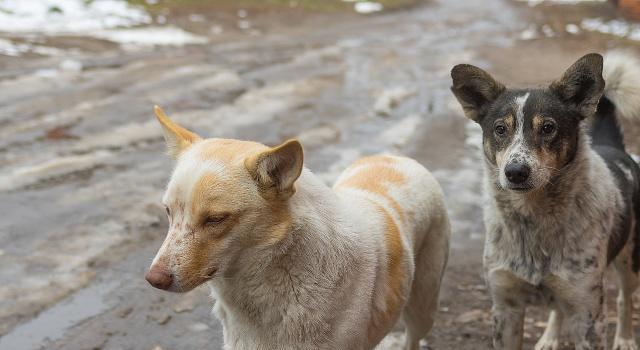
(375, 176)
(500, 156)
(377, 159)
(230, 151)
(280, 223)
(510, 122)
(537, 122)
(383, 319)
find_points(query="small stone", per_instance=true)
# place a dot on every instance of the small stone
(198, 327)
(162, 319)
(125, 312)
(471, 316)
(70, 66)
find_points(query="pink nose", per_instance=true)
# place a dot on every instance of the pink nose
(159, 278)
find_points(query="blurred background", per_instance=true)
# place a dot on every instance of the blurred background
(82, 163)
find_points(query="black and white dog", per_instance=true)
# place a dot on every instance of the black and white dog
(563, 198)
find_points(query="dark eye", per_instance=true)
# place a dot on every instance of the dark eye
(215, 219)
(168, 211)
(548, 128)
(500, 129)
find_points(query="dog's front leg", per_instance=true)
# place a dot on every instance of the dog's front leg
(508, 321)
(587, 320)
(508, 311)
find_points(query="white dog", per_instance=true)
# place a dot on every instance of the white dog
(292, 263)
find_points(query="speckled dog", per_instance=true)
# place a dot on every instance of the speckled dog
(562, 198)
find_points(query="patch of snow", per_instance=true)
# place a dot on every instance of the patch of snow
(9, 48)
(318, 136)
(615, 27)
(196, 18)
(399, 134)
(530, 33)
(547, 31)
(60, 166)
(367, 7)
(70, 66)
(572, 28)
(244, 24)
(150, 36)
(69, 16)
(390, 98)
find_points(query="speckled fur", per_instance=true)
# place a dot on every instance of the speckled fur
(552, 243)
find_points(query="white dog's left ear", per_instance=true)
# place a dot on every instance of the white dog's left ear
(277, 169)
(178, 138)
(582, 84)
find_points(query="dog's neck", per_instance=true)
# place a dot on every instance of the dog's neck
(310, 244)
(556, 196)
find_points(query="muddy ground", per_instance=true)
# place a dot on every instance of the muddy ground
(82, 164)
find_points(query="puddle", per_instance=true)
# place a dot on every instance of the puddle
(53, 323)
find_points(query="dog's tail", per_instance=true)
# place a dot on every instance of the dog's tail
(621, 73)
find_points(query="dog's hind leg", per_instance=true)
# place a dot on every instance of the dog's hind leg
(625, 339)
(550, 340)
(422, 305)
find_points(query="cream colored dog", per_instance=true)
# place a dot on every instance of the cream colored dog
(293, 264)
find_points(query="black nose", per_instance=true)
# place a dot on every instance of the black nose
(517, 173)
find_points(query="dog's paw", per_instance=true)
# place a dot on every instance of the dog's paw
(547, 344)
(624, 344)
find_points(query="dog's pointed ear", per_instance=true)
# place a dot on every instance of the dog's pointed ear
(582, 84)
(177, 138)
(475, 89)
(277, 169)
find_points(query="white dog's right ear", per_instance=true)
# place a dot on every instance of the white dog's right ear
(277, 169)
(178, 139)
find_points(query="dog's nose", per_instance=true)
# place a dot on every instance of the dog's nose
(517, 173)
(159, 278)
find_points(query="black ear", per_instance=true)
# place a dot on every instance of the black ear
(582, 84)
(475, 89)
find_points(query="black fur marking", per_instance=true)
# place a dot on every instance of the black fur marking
(604, 129)
(581, 85)
(590, 262)
(608, 142)
(475, 89)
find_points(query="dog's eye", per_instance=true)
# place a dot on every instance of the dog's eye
(168, 211)
(215, 219)
(548, 128)
(500, 129)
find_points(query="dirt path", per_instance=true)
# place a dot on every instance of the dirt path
(82, 167)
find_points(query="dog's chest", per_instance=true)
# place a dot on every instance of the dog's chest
(535, 248)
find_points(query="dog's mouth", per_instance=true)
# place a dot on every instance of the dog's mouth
(520, 188)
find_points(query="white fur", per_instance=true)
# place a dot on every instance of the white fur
(319, 286)
(516, 149)
(621, 72)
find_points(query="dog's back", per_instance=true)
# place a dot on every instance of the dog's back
(415, 236)
(401, 186)
(621, 72)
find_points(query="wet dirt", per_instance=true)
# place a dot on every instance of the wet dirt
(82, 164)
